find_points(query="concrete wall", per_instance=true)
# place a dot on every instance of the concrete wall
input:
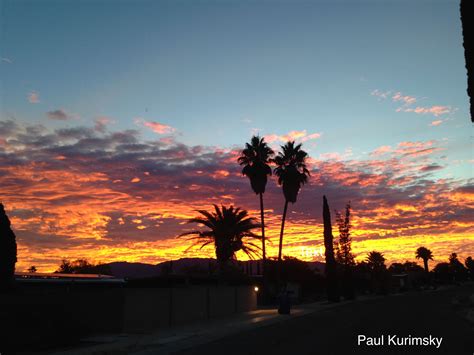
(146, 310)
(32, 318)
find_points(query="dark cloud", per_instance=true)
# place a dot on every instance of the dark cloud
(59, 115)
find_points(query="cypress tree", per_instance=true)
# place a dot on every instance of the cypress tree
(331, 266)
(7, 251)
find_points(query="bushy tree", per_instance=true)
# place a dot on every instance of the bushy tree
(458, 270)
(82, 266)
(7, 250)
(407, 266)
(343, 247)
(344, 256)
(452, 271)
(442, 272)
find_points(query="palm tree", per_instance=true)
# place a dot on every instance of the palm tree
(292, 174)
(256, 158)
(425, 254)
(378, 270)
(227, 227)
(376, 261)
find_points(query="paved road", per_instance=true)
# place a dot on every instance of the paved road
(441, 313)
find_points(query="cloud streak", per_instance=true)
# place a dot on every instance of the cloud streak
(300, 136)
(408, 103)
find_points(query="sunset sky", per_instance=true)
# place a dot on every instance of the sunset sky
(118, 119)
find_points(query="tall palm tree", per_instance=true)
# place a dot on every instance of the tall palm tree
(227, 228)
(255, 158)
(425, 254)
(292, 174)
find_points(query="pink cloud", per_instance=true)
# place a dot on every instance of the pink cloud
(416, 149)
(302, 136)
(407, 100)
(381, 150)
(436, 110)
(156, 127)
(436, 123)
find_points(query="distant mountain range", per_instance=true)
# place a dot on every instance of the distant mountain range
(186, 266)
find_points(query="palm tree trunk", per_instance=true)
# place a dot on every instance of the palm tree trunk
(280, 247)
(425, 261)
(264, 256)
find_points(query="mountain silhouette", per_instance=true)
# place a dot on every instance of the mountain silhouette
(183, 266)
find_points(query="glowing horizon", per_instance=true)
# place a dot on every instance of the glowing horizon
(85, 202)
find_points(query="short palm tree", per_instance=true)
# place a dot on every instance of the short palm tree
(255, 158)
(376, 261)
(292, 174)
(425, 254)
(227, 228)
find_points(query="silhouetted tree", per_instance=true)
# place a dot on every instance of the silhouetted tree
(467, 20)
(292, 269)
(32, 269)
(376, 265)
(344, 256)
(82, 266)
(376, 261)
(331, 267)
(256, 158)
(458, 270)
(469, 262)
(7, 250)
(65, 267)
(442, 272)
(292, 174)
(425, 254)
(407, 266)
(228, 228)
